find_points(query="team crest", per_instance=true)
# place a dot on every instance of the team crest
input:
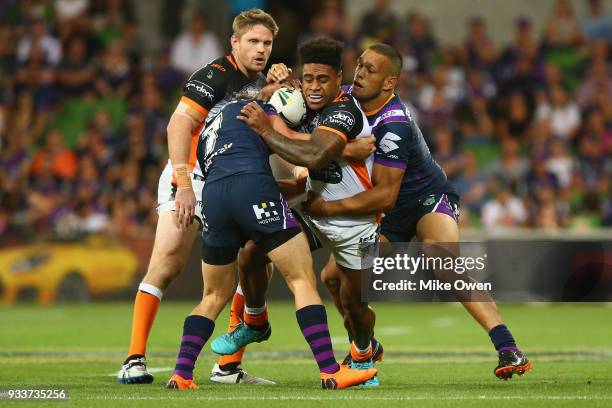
(429, 201)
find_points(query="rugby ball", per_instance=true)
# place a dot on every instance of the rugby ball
(290, 105)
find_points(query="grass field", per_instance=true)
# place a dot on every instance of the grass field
(435, 355)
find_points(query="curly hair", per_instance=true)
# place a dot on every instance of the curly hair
(322, 51)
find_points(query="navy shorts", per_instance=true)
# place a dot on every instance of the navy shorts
(400, 224)
(240, 208)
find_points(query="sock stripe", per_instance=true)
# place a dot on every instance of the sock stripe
(330, 368)
(197, 340)
(188, 354)
(317, 328)
(183, 367)
(324, 355)
(316, 336)
(323, 341)
(185, 361)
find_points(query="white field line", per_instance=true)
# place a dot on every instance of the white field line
(366, 398)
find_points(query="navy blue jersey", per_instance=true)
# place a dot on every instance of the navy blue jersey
(228, 146)
(400, 143)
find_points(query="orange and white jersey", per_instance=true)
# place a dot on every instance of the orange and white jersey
(342, 178)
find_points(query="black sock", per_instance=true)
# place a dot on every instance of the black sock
(502, 339)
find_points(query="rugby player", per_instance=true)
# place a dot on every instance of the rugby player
(412, 190)
(241, 202)
(337, 115)
(204, 94)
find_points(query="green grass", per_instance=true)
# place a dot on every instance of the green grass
(435, 356)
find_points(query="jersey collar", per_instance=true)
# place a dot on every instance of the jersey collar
(375, 111)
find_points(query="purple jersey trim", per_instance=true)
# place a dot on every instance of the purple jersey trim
(389, 163)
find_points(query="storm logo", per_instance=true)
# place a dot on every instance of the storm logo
(387, 143)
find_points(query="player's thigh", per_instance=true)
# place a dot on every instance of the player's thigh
(350, 285)
(171, 241)
(219, 280)
(251, 257)
(293, 258)
(440, 223)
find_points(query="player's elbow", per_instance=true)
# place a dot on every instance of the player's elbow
(179, 125)
(388, 200)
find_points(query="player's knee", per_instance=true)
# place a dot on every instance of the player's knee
(218, 296)
(301, 284)
(332, 284)
(251, 257)
(165, 268)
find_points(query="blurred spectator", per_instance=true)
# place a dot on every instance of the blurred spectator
(76, 74)
(38, 36)
(113, 77)
(378, 24)
(511, 168)
(562, 113)
(445, 153)
(195, 47)
(505, 210)
(471, 183)
(420, 41)
(597, 24)
(55, 158)
(524, 45)
(560, 163)
(70, 9)
(562, 29)
(480, 49)
(598, 80)
(539, 178)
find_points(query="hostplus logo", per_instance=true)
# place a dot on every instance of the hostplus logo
(266, 213)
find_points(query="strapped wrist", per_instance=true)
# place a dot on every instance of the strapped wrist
(183, 180)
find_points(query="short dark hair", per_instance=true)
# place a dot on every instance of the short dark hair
(391, 54)
(322, 51)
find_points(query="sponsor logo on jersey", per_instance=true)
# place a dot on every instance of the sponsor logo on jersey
(266, 213)
(201, 88)
(344, 119)
(214, 154)
(387, 143)
(219, 67)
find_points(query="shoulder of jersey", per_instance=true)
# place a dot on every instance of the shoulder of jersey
(394, 111)
(223, 64)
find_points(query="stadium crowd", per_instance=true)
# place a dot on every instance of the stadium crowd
(523, 130)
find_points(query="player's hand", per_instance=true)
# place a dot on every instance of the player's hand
(185, 202)
(293, 84)
(278, 73)
(253, 115)
(266, 92)
(360, 149)
(314, 205)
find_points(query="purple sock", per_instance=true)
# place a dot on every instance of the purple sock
(196, 331)
(313, 322)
